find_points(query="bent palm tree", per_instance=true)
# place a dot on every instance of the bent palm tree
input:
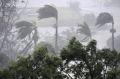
(49, 11)
(27, 29)
(84, 29)
(105, 18)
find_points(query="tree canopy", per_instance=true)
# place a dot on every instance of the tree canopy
(76, 61)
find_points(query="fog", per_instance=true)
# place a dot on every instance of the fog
(22, 29)
(70, 18)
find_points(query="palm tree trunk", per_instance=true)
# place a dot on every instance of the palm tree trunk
(56, 37)
(113, 31)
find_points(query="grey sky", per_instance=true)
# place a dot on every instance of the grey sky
(84, 3)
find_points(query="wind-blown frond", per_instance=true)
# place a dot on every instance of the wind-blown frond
(47, 11)
(25, 29)
(104, 18)
(23, 24)
(84, 29)
(23, 32)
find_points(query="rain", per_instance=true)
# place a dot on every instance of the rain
(27, 25)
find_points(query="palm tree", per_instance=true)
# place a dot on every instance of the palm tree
(105, 18)
(84, 29)
(27, 30)
(49, 11)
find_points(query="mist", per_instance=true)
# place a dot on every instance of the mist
(28, 24)
(77, 13)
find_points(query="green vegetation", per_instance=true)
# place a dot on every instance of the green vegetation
(76, 61)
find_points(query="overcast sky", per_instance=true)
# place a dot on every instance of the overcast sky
(83, 3)
(89, 5)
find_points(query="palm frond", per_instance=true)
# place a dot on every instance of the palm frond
(23, 24)
(104, 18)
(24, 29)
(47, 11)
(23, 32)
(84, 29)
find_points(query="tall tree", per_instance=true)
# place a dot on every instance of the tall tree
(105, 18)
(10, 14)
(7, 10)
(87, 62)
(27, 30)
(49, 11)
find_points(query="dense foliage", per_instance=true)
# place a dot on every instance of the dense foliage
(76, 61)
(87, 62)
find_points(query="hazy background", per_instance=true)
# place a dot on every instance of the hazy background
(68, 18)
